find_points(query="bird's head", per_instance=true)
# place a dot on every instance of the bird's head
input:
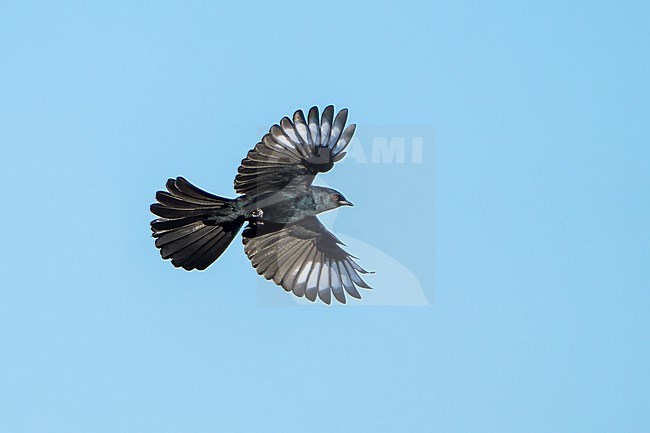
(328, 198)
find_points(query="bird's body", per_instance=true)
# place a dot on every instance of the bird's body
(287, 206)
(283, 239)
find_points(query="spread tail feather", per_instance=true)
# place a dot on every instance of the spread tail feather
(184, 232)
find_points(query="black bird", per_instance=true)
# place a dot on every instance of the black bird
(284, 239)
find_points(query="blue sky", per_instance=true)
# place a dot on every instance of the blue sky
(524, 227)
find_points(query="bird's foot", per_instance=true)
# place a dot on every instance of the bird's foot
(258, 214)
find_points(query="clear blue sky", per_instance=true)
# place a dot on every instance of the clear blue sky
(525, 227)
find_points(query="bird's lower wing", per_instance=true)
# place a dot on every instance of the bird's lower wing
(304, 258)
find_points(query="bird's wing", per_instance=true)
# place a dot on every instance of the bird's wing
(294, 151)
(304, 258)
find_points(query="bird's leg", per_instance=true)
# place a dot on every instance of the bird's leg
(258, 214)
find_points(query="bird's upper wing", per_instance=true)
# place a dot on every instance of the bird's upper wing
(294, 151)
(304, 258)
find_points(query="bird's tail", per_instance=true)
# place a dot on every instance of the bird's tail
(195, 227)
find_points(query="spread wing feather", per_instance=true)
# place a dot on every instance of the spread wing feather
(295, 151)
(304, 258)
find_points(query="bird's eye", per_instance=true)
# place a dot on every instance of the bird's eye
(336, 197)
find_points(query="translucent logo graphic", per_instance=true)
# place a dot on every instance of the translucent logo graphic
(379, 154)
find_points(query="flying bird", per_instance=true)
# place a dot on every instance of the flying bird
(283, 239)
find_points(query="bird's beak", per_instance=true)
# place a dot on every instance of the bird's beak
(345, 203)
